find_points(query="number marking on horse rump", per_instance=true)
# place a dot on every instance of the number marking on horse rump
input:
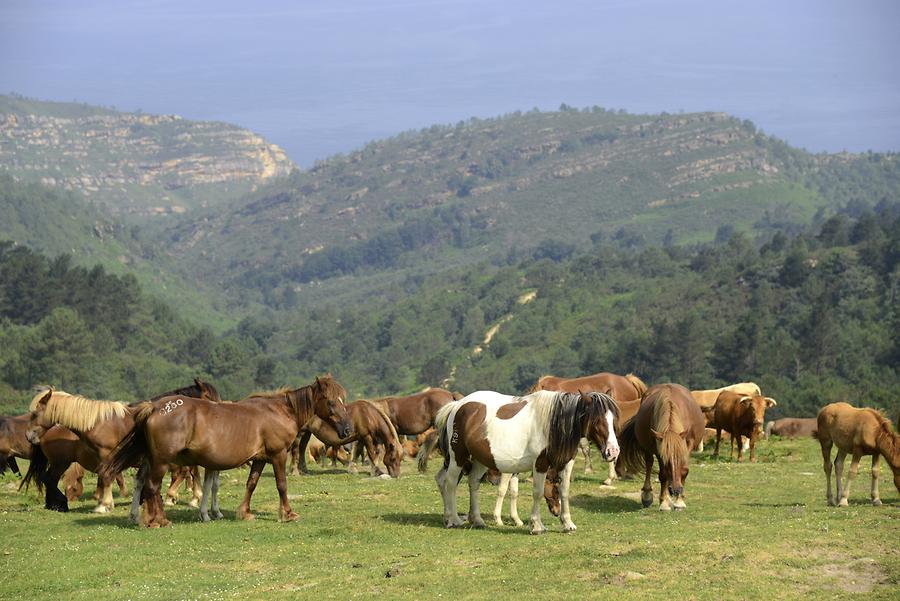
(171, 406)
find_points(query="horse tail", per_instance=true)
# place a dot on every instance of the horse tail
(440, 427)
(37, 469)
(631, 455)
(132, 449)
(638, 384)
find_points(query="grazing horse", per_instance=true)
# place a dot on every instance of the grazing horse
(859, 432)
(487, 430)
(370, 426)
(13, 442)
(626, 390)
(668, 426)
(221, 436)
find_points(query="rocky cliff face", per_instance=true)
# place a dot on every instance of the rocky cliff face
(130, 162)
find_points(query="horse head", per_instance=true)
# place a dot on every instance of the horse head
(329, 404)
(37, 422)
(207, 391)
(601, 422)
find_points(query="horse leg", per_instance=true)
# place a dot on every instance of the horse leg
(665, 503)
(585, 447)
(120, 482)
(175, 482)
(501, 494)
(256, 468)
(537, 495)
(279, 463)
(718, 440)
(196, 488)
(106, 500)
(514, 500)
(447, 481)
(854, 467)
(826, 458)
(134, 516)
(740, 446)
(13, 466)
(208, 477)
(565, 515)
(478, 470)
(373, 454)
(839, 476)
(217, 513)
(612, 473)
(875, 499)
(156, 515)
(300, 461)
(647, 490)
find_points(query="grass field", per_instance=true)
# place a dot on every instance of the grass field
(750, 531)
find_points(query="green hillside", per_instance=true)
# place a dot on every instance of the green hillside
(134, 164)
(451, 195)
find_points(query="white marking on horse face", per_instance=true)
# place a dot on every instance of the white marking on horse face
(612, 444)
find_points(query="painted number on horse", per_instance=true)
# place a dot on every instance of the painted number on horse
(171, 406)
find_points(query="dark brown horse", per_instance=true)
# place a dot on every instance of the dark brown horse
(668, 426)
(371, 428)
(85, 431)
(626, 390)
(221, 436)
(415, 413)
(13, 442)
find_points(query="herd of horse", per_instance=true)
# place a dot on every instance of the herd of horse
(482, 435)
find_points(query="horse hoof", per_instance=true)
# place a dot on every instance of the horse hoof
(518, 522)
(218, 515)
(843, 503)
(169, 502)
(664, 507)
(539, 532)
(205, 518)
(247, 516)
(646, 502)
(876, 502)
(291, 517)
(569, 528)
(101, 509)
(194, 503)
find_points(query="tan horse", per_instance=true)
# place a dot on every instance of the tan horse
(707, 398)
(858, 432)
(220, 436)
(668, 426)
(370, 426)
(626, 390)
(73, 483)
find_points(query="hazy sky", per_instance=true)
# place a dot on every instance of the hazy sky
(325, 76)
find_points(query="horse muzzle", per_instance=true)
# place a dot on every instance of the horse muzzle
(33, 436)
(344, 430)
(611, 452)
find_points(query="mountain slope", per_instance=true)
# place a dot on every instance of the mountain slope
(427, 200)
(132, 163)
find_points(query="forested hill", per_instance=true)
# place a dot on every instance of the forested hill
(132, 163)
(450, 195)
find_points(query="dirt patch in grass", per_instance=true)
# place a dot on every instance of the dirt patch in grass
(858, 576)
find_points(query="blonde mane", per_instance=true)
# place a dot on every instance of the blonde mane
(77, 412)
(542, 402)
(638, 384)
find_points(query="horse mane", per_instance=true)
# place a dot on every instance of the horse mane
(564, 415)
(887, 442)
(638, 384)
(538, 386)
(77, 412)
(667, 422)
(277, 392)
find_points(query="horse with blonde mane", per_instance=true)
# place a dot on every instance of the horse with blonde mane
(487, 430)
(71, 428)
(219, 436)
(626, 390)
(857, 432)
(668, 426)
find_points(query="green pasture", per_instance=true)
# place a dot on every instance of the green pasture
(750, 531)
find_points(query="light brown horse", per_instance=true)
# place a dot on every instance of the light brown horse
(370, 426)
(85, 431)
(13, 442)
(415, 413)
(668, 426)
(220, 436)
(73, 483)
(625, 390)
(857, 432)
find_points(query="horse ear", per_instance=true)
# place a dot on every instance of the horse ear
(770, 402)
(46, 398)
(658, 435)
(197, 382)
(745, 400)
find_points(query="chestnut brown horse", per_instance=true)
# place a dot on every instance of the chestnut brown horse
(13, 442)
(220, 436)
(86, 431)
(371, 427)
(857, 432)
(73, 483)
(668, 426)
(415, 413)
(625, 390)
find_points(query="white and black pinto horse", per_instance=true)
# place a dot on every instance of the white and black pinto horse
(488, 430)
